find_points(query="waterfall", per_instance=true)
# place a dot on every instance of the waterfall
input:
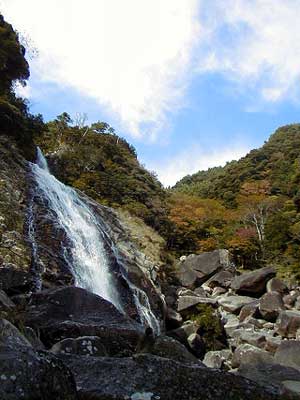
(85, 255)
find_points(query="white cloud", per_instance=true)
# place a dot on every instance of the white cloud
(131, 56)
(256, 44)
(195, 159)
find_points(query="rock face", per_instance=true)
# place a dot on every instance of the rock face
(253, 283)
(150, 377)
(72, 312)
(15, 251)
(196, 269)
(27, 374)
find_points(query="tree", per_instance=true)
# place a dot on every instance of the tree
(13, 65)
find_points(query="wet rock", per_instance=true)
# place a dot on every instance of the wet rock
(271, 305)
(220, 359)
(249, 354)
(276, 285)
(253, 283)
(152, 377)
(173, 319)
(5, 303)
(71, 312)
(288, 354)
(233, 303)
(196, 345)
(288, 323)
(196, 269)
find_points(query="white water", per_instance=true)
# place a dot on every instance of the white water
(85, 254)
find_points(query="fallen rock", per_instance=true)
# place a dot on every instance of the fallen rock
(84, 346)
(32, 337)
(272, 376)
(11, 336)
(182, 333)
(196, 269)
(276, 285)
(71, 312)
(288, 354)
(220, 359)
(233, 303)
(249, 310)
(253, 283)
(196, 345)
(257, 339)
(151, 377)
(272, 343)
(288, 323)
(249, 354)
(173, 319)
(5, 303)
(271, 305)
(222, 279)
(187, 302)
(170, 348)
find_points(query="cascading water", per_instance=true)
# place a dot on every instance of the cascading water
(85, 254)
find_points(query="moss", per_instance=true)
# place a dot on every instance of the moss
(210, 326)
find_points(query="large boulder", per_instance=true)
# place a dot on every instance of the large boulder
(288, 323)
(233, 303)
(248, 354)
(188, 302)
(220, 359)
(196, 269)
(271, 305)
(5, 303)
(284, 380)
(71, 312)
(222, 279)
(84, 346)
(148, 377)
(253, 283)
(276, 285)
(29, 374)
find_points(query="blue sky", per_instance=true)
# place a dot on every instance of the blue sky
(191, 83)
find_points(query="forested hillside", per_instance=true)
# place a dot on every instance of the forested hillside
(250, 206)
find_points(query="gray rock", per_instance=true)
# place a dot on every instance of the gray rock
(26, 374)
(233, 303)
(182, 333)
(257, 339)
(74, 312)
(221, 279)
(272, 343)
(253, 283)
(5, 303)
(288, 323)
(249, 310)
(187, 302)
(84, 346)
(32, 337)
(271, 376)
(288, 354)
(151, 377)
(276, 285)
(196, 345)
(11, 336)
(248, 354)
(196, 269)
(173, 319)
(170, 348)
(220, 359)
(199, 291)
(271, 305)
(231, 325)
(218, 291)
